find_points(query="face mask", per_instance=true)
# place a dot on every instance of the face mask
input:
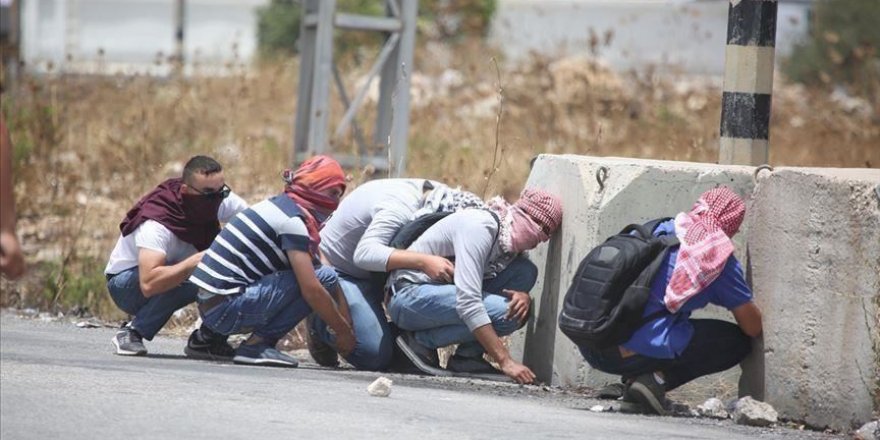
(525, 233)
(200, 209)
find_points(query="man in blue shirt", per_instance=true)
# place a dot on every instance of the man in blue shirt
(674, 349)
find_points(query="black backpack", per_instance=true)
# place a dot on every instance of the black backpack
(410, 232)
(604, 304)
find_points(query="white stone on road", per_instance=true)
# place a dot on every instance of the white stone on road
(380, 387)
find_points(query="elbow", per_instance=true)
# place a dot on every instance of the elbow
(148, 289)
(370, 257)
(360, 256)
(754, 331)
(754, 328)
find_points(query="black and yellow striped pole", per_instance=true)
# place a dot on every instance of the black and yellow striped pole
(748, 82)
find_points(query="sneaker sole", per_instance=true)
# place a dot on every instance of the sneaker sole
(612, 391)
(435, 371)
(120, 351)
(417, 360)
(264, 362)
(201, 355)
(643, 395)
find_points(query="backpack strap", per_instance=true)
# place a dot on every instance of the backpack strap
(668, 242)
(498, 221)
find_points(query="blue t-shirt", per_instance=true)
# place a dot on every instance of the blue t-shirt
(667, 337)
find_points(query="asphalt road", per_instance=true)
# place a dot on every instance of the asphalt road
(60, 381)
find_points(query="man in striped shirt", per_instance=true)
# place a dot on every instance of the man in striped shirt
(261, 275)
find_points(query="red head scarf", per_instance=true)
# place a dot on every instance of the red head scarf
(305, 186)
(705, 234)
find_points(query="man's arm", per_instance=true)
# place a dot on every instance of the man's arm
(473, 242)
(374, 254)
(11, 259)
(437, 268)
(487, 337)
(748, 317)
(319, 300)
(157, 278)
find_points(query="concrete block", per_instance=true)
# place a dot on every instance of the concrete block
(814, 242)
(631, 191)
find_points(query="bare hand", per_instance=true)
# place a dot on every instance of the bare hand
(11, 259)
(519, 304)
(345, 341)
(518, 372)
(438, 268)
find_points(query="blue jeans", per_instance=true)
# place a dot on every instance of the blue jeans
(716, 346)
(150, 314)
(374, 346)
(429, 310)
(269, 308)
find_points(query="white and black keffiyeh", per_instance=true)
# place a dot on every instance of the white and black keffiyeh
(445, 199)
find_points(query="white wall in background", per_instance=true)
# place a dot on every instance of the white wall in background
(685, 33)
(132, 32)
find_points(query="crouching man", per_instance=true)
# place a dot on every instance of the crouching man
(261, 275)
(356, 241)
(163, 239)
(671, 349)
(486, 297)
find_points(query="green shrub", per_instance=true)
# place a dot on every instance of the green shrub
(278, 27)
(279, 22)
(842, 47)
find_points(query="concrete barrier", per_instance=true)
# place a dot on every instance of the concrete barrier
(813, 258)
(814, 242)
(601, 196)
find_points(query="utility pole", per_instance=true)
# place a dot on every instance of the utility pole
(318, 71)
(179, 22)
(748, 82)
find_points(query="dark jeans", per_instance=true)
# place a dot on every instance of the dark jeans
(716, 346)
(429, 310)
(150, 314)
(269, 308)
(375, 343)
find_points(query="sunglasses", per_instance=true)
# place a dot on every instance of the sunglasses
(221, 193)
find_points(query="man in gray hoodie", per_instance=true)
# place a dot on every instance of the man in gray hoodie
(355, 241)
(487, 297)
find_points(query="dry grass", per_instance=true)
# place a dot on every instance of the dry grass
(88, 146)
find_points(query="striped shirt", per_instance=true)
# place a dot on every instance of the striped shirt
(252, 245)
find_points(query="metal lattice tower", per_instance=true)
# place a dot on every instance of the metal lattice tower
(318, 69)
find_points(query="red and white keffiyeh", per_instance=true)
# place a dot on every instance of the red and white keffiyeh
(705, 234)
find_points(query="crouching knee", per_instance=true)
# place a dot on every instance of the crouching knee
(328, 277)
